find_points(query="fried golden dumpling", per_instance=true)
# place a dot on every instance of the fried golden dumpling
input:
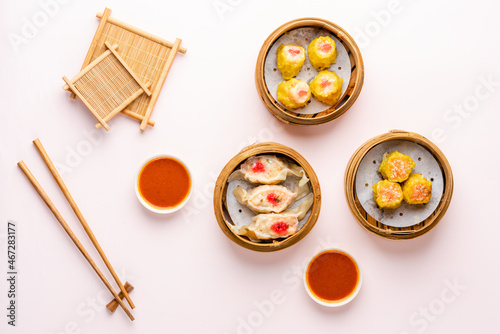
(387, 194)
(326, 87)
(294, 93)
(322, 52)
(290, 59)
(417, 189)
(396, 167)
(269, 198)
(267, 169)
(276, 225)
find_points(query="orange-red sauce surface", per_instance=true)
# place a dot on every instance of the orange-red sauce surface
(164, 182)
(332, 276)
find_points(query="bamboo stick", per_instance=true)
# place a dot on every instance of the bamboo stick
(163, 76)
(125, 103)
(92, 110)
(79, 214)
(89, 67)
(93, 44)
(139, 32)
(113, 305)
(70, 233)
(139, 82)
(136, 116)
(132, 115)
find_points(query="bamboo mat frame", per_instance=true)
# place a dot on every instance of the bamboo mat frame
(149, 57)
(106, 86)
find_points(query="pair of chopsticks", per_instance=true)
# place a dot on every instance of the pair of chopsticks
(82, 220)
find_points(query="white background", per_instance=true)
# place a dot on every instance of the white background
(420, 62)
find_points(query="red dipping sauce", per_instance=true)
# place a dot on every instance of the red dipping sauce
(164, 183)
(333, 277)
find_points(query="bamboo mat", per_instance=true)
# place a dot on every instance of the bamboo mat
(107, 85)
(149, 57)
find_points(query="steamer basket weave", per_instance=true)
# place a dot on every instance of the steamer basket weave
(220, 209)
(385, 231)
(345, 101)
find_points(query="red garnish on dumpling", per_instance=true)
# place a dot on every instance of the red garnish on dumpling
(258, 167)
(302, 92)
(280, 228)
(293, 51)
(271, 198)
(325, 83)
(325, 47)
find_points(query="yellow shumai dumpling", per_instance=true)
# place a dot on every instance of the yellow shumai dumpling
(322, 52)
(417, 189)
(290, 59)
(294, 93)
(396, 167)
(326, 87)
(387, 194)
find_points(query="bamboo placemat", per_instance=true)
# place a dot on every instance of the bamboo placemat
(107, 85)
(148, 56)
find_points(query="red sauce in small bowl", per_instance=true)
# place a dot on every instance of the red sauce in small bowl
(164, 183)
(332, 276)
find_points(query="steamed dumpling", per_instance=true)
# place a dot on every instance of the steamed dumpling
(326, 87)
(294, 93)
(269, 198)
(417, 189)
(387, 194)
(322, 52)
(276, 225)
(267, 169)
(396, 167)
(290, 59)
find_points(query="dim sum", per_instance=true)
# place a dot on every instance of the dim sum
(267, 169)
(322, 52)
(290, 59)
(269, 198)
(276, 225)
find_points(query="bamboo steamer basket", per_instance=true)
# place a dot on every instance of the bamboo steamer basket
(345, 101)
(220, 193)
(390, 232)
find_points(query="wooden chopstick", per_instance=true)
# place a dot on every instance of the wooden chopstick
(82, 220)
(68, 230)
(113, 305)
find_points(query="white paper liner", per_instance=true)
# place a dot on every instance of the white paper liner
(241, 215)
(368, 173)
(308, 72)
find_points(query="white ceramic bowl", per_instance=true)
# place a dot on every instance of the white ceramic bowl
(155, 209)
(333, 303)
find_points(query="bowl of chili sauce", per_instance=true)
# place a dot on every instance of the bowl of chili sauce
(163, 184)
(332, 277)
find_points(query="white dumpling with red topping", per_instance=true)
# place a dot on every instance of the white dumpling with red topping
(269, 198)
(276, 225)
(267, 169)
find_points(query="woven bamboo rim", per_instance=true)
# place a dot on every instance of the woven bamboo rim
(389, 232)
(346, 100)
(220, 208)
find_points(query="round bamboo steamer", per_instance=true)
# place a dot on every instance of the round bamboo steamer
(220, 192)
(345, 101)
(385, 231)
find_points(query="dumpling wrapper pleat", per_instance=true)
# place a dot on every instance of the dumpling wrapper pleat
(257, 199)
(284, 170)
(261, 228)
